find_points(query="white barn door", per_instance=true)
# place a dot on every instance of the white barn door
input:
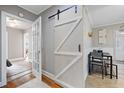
(68, 48)
(36, 36)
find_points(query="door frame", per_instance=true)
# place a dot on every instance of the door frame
(40, 58)
(3, 43)
(115, 43)
(114, 48)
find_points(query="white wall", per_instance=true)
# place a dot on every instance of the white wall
(87, 42)
(109, 46)
(15, 43)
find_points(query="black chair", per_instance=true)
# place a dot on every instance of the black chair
(107, 66)
(97, 59)
(8, 63)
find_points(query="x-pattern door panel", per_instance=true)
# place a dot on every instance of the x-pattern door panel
(68, 36)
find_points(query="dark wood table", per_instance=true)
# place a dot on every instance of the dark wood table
(105, 55)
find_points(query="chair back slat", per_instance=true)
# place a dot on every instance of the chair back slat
(97, 55)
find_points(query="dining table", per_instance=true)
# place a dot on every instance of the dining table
(106, 56)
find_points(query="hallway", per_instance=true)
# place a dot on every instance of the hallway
(18, 69)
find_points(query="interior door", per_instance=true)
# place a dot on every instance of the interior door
(68, 34)
(119, 48)
(36, 36)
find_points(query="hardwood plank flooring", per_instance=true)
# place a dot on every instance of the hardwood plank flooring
(23, 79)
(19, 81)
(50, 82)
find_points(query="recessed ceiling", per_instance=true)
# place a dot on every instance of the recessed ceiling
(17, 24)
(106, 14)
(36, 9)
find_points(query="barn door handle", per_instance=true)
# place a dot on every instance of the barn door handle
(75, 9)
(79, 48)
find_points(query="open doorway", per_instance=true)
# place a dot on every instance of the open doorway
(119, 46)
(18, 47)
(36, 52)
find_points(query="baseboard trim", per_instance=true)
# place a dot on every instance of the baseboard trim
(49, 75)
(17, 59)
(85, 78)
(61, 83)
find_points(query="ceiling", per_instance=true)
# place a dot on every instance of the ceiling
(17, 24)
(105, 14)
(36, 9)
(99, 14)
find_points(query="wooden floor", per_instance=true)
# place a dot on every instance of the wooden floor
(50, 82)
(21, 80)
(93, 81)
(96, 81)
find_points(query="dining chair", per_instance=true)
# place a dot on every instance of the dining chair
(114, 71)
(97, 59)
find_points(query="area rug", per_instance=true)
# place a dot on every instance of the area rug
(35, 83)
